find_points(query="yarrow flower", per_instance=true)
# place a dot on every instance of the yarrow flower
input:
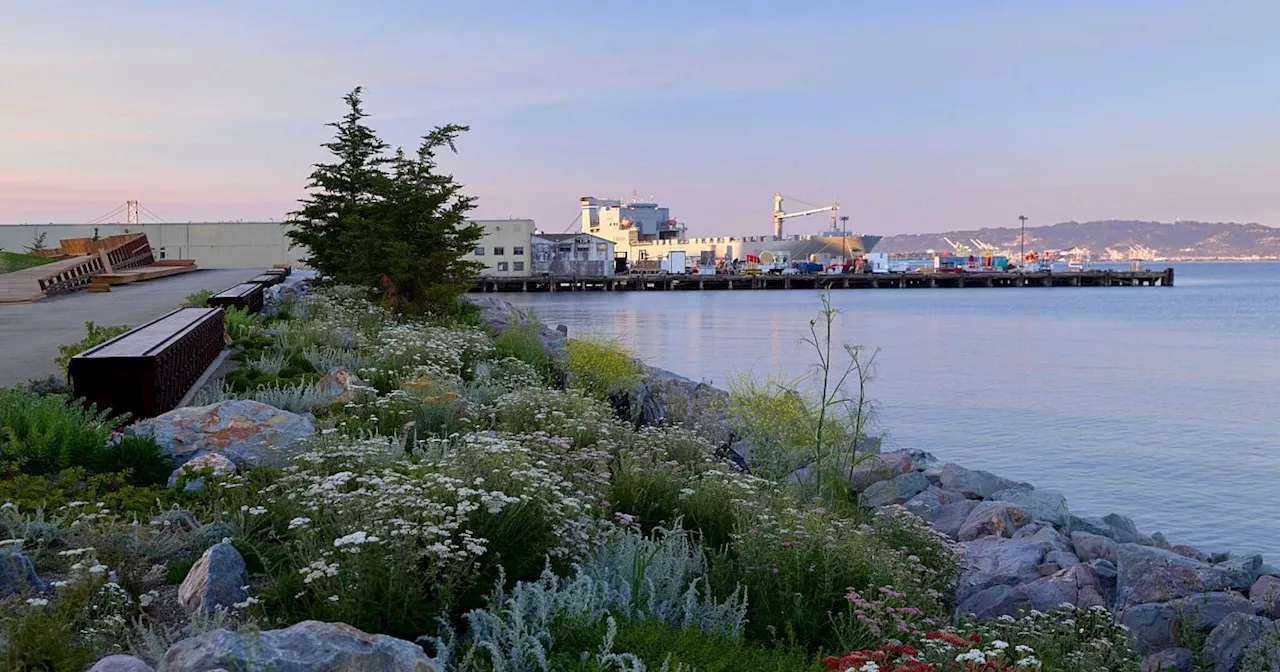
(355, 539)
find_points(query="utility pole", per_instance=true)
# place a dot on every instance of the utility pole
(1022, 244)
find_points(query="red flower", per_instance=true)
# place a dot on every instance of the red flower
(948, 637)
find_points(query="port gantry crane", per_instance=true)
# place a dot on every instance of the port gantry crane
(779, 214)
(958, 249)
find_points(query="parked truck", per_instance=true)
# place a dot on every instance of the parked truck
(675, 263)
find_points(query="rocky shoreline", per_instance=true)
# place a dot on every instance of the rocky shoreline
(1022, 546)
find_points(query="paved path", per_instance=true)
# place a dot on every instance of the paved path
(30, 333)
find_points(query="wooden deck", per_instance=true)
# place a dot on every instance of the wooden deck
(24, 286)
(103, 282)
(668, 282)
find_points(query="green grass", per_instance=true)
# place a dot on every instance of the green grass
(10, 261)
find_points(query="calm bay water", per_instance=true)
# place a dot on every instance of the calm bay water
(1159, 403)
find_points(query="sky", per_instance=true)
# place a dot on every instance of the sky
(913, 115)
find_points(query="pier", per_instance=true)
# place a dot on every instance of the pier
(930, 280)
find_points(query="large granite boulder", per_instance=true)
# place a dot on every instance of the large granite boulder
(1159, 625)
(1042, 505)
(926, 503)
(1150, 574)
(948, 518)
(999, 519)
(1265, 596)
(1058, 549)
(994, 561)
(974, 483)
(249, 433)
(1125, 531)
(17, 573)
(1089, 546)
(1076, 585)
(993, 602)
(1107, 574)
(1244, 569)
(1169, 660)
(873, 468)
(120, 664)
(896, 490)
(1243, 638)
(309, 646)
(218, 580)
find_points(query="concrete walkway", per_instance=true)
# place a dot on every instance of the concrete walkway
(30, 333)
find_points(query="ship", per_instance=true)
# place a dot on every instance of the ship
(642, 230)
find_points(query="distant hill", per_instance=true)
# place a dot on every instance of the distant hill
(1181, 239)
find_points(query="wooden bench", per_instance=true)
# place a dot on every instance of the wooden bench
(268, 279)
(245, 296)
(282, 267)
(149, 369)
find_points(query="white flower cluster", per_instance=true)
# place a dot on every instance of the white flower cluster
(356, 497)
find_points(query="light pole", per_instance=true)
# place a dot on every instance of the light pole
(1022, 244)
(844, 236)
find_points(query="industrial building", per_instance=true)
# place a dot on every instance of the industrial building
(505, 248)
(645, 231)
(572, 254)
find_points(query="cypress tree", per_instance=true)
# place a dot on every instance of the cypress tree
(390, 223)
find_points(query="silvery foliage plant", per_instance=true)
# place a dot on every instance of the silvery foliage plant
(631, 576)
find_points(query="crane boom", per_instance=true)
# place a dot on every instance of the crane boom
(779, 214)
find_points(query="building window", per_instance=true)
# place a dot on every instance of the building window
(479, 250)
(517, 266)
(602, 249)
(499, 251)
(502, 265)
(518, 251)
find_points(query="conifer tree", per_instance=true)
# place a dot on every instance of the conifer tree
(389, 223)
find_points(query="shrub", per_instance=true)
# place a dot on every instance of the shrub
(774, 419)
(50, 492)
(48, 385)
(94, 335)
(139, 457)
(658, 579)
(296, 398)
(560, 413)
(44, 636)
(807, 560)
(241, 326)
(356, 533)
(662, 647)
(601, 368)
(1065, 639)
(521, 342)
(654, 488)
(50, 433)
(199, 299)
